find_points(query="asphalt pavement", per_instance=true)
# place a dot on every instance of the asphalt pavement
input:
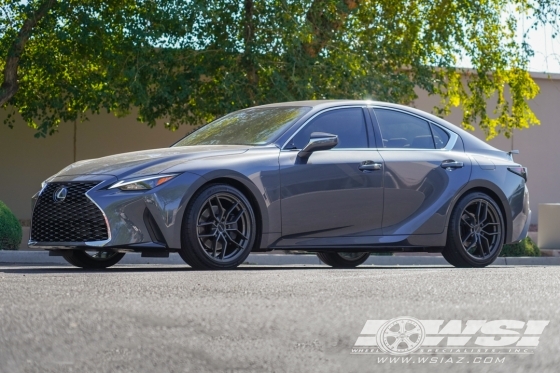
(157, 318)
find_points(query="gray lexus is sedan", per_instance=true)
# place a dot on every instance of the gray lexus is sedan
(342, 179)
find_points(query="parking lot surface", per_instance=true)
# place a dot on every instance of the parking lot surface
(161, 318)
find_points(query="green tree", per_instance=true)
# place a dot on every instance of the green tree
(191, 61)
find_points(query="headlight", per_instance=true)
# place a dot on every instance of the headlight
(44, 183)
(144, 183)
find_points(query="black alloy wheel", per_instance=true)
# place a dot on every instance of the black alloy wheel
(219, 229)
(475, 233)
(96, 259)
(343, 259)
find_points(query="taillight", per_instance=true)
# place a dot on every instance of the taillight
(521, 171)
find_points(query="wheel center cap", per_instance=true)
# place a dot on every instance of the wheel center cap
(221, 228)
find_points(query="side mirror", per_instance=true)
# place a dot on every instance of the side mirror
(318, 141)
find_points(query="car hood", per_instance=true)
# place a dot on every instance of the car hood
(148, 162)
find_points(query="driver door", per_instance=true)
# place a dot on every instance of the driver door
(331, 198)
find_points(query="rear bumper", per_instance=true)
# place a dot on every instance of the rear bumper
(522, 220)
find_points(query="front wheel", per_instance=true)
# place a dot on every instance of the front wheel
(219, 229)
(343, 259)
(476, 232)
(95, 260)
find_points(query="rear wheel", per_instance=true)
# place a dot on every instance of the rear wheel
(343, 259)
(92, 260)
(219, 229)
(476, 232)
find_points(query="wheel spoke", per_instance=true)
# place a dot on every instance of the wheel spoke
(214, 246)
(402, 326)
(235, 243)
(471, 215)
(238, 232)
(480, 246)
(466, 238)
(228, 212)
(395, 344)
(413, 331)
(489, 233)
(483, 212)
(466, 222)
(221, 207)
(205, 224)
(237, 217)
(478, 211)
(207, 235)
(407, 341)
(224, 248)
(487, 252)
(211, 209)
(390, 333)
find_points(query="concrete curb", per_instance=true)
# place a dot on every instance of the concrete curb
(42, 257)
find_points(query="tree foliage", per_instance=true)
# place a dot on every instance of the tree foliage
(190, 61)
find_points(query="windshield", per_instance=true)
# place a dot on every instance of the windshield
(258, 126)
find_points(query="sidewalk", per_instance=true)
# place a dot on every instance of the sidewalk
(42, 258)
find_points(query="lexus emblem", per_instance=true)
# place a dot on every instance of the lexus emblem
(60, 194)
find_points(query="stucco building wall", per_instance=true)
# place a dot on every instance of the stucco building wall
(27, 161)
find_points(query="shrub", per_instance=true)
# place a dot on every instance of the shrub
(10, 229)
(525, 247)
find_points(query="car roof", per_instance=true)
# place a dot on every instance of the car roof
(320, 103)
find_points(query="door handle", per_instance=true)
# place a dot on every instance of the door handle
(450, 163)
(370, 166)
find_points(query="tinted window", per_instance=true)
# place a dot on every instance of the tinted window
(440, 137)
(257, 126)
(348, 124)
(400, 130)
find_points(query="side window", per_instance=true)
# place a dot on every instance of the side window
(441, 138)
(400, 130)
(348, 124)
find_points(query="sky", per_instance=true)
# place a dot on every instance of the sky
(547, 50)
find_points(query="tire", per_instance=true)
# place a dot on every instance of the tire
(342, 259)
(476, 233)
(80, 258)
(219, 229)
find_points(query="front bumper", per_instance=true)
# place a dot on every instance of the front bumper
(136, 220)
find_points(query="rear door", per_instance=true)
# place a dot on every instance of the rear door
(422, 172)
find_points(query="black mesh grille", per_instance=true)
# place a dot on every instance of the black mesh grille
(75, 219)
